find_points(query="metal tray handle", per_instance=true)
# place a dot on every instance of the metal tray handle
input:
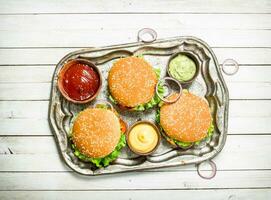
(146, 35)
(230, 67)
(213, 167)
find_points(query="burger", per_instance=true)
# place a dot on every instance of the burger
(97, 136)
(132, 82)
(186, 122)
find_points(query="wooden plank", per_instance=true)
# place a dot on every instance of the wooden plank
(250, 90)
(235, 31)
(18, 91)
(187, 21)
(25, 127)
(249, 125)
(30, 117)
(134, 180)
(39, 109)
(250, 74)
(43, 56)
(97, 37)
(134, 6)
(32, 126)
(46, 56)
(42, 74)
(237, 125)
(25, 109)
(28, 145)
(41, 91)
(33, 163)
(238, 194)
(40, 154)
(27, 74)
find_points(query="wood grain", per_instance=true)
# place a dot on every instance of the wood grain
(240, 194)
(35, 35)
(83, 30)
(44, 74)
(39, 109)
(237, 125)
(41, 91)
(51, 56)
(40, 154)
(134, 181)
(134, 6)
(30, 117)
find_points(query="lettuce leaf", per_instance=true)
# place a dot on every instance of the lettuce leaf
(211, 130)
(112, 99)
(140, 56)
(105, 161)
(102, 106)
(157, 117)
(182, 144)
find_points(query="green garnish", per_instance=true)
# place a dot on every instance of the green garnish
(182, 144)
(112, 99)
(102, 106)
(140, 56)
(105, 161)
(157, 117)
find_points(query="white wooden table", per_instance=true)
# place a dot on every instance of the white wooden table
(35, 35)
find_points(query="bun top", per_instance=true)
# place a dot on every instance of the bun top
(96, 132)
(132, 81)
(186, 120)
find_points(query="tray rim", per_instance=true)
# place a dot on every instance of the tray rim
(207, 156)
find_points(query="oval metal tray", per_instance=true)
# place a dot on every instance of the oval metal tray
(209, 84)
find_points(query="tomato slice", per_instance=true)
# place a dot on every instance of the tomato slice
(123, 126)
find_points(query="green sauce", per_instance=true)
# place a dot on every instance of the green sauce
(182, 68)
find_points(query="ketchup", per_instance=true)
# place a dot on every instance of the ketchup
(80, 81)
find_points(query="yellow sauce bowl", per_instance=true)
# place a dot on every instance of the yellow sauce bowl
(143, 137)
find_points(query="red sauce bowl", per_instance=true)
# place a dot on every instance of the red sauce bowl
(79, 81)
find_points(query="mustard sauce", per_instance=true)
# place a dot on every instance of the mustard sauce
(143, 138)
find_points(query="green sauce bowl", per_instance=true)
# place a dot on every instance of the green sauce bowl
(189, 57)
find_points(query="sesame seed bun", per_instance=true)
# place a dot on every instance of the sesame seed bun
(96, 132)
(132, 81)
(186, 120)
